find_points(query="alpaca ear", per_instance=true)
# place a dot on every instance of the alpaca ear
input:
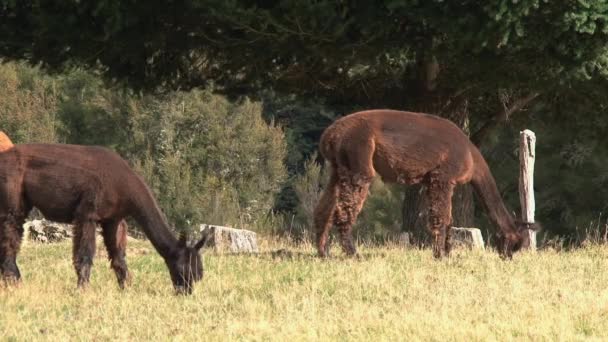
(201, 243)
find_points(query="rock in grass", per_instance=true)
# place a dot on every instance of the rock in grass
(468, 237)
(232, 240)
(404, 239)
(46, 231)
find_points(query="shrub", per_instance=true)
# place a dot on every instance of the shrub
(379, 219)
(212, 160)
(207, 159)
(28, 104)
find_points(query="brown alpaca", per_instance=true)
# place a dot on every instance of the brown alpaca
(86, 186)
(405, 148)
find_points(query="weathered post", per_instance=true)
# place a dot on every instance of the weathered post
(527, 145)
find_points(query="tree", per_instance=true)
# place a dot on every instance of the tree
(353, 48)
(477, 64)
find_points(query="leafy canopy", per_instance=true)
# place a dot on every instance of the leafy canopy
(324, 47)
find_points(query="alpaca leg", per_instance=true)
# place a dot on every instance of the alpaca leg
(355, 172)
(440, 215)
(84, 250)
(13, 210)
(115, 238)
(352, 192)
(323, 213)
(11, 233)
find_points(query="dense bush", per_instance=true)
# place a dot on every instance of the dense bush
(28, 104)
(207, 159)
(212, 160)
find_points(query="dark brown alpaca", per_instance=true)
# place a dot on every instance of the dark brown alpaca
(86, 186)
(405, 148)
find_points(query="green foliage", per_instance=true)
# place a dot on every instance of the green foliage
(208, 159)
(91, 113)
(309, 187)
(303, 120)
(28, 104)
(323, 59)
(221, 153)
(380, 218)
(346, 48)
(570, 171)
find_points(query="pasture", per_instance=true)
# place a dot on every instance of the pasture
(387, 294)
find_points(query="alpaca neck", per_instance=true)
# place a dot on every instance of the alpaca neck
(149, 216)
(484, 184)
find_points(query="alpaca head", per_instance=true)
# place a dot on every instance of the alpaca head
(509, 243)
(186, 268)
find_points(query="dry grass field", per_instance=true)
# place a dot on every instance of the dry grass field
(387, 294)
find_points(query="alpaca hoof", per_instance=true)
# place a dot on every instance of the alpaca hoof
(506, 256)
(124, 280)
(323, 251)
(352, 253)
(82, 284)
(11, 280)
(349, 247)
(129, 279)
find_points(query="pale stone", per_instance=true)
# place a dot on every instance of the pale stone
(404, 239)
(228, 239)
(46, 231)
(469, 237)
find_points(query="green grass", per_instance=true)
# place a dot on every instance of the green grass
(388, 294)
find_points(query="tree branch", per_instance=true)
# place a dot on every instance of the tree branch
(501, 117)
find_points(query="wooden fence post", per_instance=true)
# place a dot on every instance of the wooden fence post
(527, 145)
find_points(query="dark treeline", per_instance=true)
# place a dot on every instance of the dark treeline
(493, 69)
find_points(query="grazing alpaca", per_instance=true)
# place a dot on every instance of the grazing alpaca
(86, 186)
(406, 148)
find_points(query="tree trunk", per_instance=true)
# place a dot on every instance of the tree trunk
(415, 214)
(463, 208)
(454, 108)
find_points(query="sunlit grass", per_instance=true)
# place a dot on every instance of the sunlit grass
(388, 294)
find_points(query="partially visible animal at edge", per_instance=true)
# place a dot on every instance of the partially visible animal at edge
(406, 148)
(86, 186)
